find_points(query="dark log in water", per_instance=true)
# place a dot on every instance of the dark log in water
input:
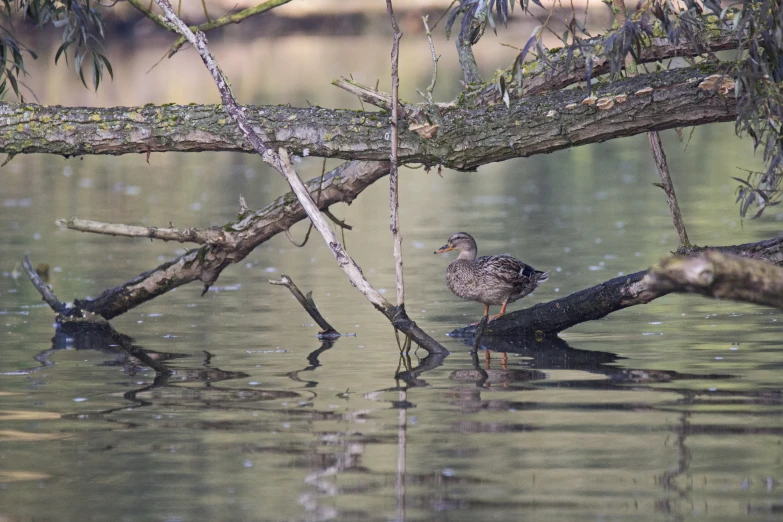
(600, 300)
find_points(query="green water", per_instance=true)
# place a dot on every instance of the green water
(670, 410)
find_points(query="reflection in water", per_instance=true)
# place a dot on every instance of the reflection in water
(312, 358)
(334, 455)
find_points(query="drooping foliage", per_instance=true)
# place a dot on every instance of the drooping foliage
(756, 68)
(81, 27)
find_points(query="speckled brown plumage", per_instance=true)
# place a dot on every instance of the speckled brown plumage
(490, 280)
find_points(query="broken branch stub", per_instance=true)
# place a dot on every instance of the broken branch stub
(309, 305)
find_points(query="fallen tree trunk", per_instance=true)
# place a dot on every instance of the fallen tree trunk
(599, 301)
(466, 138)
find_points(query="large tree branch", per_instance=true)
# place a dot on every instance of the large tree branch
(466, 139)
(238, 240)
(613, 295)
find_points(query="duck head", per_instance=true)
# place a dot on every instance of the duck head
(463, 242)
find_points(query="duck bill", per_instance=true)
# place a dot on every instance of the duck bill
(444, 248)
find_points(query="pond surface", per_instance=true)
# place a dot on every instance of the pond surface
(673, 410)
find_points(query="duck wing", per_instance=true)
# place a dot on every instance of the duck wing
(504, 268)
(509, 270)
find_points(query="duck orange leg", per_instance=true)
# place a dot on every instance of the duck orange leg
(502, 311)
(486, 313)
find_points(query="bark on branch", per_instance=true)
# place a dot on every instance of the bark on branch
(610, 296)
(466, 138)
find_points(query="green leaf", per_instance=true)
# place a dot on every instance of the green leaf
(97, 72)
(60, 51)
(108, 65)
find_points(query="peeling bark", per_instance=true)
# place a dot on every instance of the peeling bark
(610, 296)
(466, 139)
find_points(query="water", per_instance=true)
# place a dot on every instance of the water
(670, 410)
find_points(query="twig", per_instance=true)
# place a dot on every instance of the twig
(435, 59)
(340, 223)
(372, 96)
(663, 171)
(361, 102)
(394, 174)
(281, 162)
(309, 305)
(46, 292)
(210, 24)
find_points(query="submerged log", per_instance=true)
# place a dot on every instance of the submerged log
(610, 296)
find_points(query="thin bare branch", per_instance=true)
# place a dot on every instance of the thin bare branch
(435, 58)
(339, 222)
(666, 184)
(310, 225)
(159, 20)
(374, 97)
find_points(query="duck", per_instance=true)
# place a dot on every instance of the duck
(490, 280)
